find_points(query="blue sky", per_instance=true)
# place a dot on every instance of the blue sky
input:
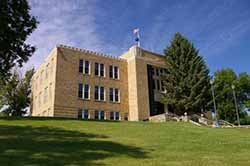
(220, 29)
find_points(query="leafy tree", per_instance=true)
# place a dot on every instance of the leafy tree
(187, 80)
(17, 93)
(224, 79)
(16, 24)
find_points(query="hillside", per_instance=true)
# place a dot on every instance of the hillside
(73, 142)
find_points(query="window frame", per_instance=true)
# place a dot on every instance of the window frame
(113, 98)
(112, 72)
(98, 115)
(98, 70)
(83, 66)
(82, 90)
(115, 115)
(98, 94)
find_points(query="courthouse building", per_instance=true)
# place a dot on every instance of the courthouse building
(78, 83)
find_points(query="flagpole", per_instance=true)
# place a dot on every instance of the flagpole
(138, 36)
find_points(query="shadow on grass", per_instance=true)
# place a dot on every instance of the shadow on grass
(25, 145)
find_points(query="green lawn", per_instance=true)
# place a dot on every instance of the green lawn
(73, 142)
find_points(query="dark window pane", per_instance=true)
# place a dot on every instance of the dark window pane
(96, 92)
(80, 65)
(158, 84)
(80, 90)
(86, 67)
(110, 71)
(86, 114)
(157, 72)
(102, 70)
(86, 91)
(153, 84)
(102, 115)
(116, 72)
(96, 69)
(102, 93)
(79, 114)
(111, 94)
(162, 86)
(111, 115)
(96, 114)
(116, 95)
(117, 116)
(161, 71)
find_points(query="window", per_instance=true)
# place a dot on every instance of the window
(96, 93)
(102, 93)
(45, 95)
(83, 91)
(47, 71)
(51, 66)
(39, 99)
(99, 69)
(37, 81)
(102, 70)
(111, 94)
(80, 90)
(41, 78)
(86, 91)
(99, 114)
(162, 86)
(83, 114)
(80, 65)
(50, 91)
(157, 72)
(117, 116)
(114, 95)
(113, 72)
(158, 84)
(99, 93)
(117, 97)
(153, 84)
(84, 66)
(114, 116)
(87, 67)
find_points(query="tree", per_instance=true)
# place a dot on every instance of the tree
(224, 79)
(17, 93)
(187, 80)
(16, 24)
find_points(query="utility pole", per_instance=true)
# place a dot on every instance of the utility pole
(236, 105)
(212, 88)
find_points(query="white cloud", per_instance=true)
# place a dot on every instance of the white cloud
(62, 22)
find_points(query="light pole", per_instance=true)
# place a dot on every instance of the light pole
(212, 88)
(236, 106)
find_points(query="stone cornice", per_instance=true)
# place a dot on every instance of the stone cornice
(89, 52)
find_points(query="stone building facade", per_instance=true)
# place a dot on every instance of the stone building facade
(79, 83)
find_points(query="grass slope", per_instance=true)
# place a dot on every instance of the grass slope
(72, 142)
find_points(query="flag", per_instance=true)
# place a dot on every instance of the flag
(136, 31)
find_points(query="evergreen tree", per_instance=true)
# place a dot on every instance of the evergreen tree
(187, 80)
